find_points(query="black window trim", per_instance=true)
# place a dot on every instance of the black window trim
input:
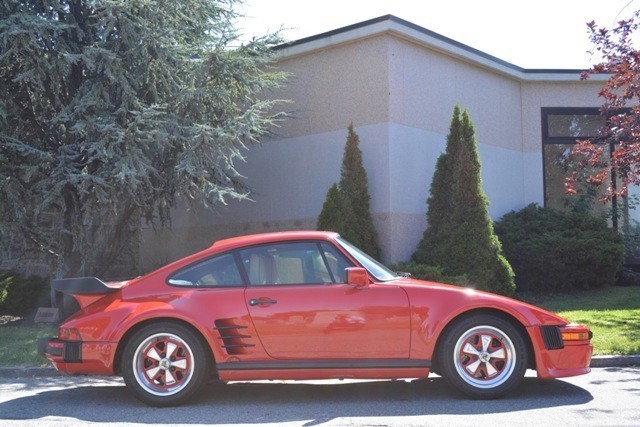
(565, 111)
(557, 140)
(326, 263)
(244, 275)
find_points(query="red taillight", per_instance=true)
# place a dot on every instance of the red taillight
(69, 334)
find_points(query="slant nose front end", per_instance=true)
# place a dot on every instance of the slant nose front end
(566, 350)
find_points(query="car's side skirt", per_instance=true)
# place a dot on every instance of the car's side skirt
(323, 369)
(326, 364)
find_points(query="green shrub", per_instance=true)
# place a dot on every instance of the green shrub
(19, 294)
(628, 277)
(346, 209)
(459, 236)
(337, 214)
(430, 273)
(550, 250)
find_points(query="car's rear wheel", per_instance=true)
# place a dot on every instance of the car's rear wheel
(483, 356)
(164, 364)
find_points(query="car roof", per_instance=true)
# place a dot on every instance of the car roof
(256, 239)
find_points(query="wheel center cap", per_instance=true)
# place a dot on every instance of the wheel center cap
(484, 357)
(165, 364)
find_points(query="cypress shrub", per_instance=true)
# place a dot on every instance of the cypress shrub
(460, 237)
(551, 250)
(336, 214)
(440, 201)
(353, 217)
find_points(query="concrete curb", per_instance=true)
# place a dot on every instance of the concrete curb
(30, 372)
(615, 361)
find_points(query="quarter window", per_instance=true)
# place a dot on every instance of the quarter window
(219, 271)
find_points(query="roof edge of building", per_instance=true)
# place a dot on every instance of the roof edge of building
(413, 32)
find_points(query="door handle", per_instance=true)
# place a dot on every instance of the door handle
(260, 301)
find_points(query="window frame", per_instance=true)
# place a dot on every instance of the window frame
(203, 261)
(316, 243)
(564, 111)
(545, 112)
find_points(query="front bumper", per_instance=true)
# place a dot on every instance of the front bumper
(78, 357)
(562, 358)
(566, 362)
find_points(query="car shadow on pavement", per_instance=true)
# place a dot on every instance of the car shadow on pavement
(276, 402)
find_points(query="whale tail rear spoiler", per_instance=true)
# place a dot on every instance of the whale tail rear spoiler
(70, 295)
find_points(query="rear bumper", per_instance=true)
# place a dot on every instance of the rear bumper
(78, 357)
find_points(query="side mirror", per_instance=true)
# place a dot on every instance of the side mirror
(357, 276)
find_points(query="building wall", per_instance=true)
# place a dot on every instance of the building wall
(424, 87)
(336, 86)
(289, 176)
(536, 95)
(399, 95)
(289, 179)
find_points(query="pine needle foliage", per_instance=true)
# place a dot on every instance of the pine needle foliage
(460, 237)
(336, 214)
(351, 200)
(114, 109)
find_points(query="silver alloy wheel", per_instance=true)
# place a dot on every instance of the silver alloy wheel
(484, 357)
(163, 364)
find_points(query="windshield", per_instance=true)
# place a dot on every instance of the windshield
(378, 270)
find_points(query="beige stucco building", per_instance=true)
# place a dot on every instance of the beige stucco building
(397, 83)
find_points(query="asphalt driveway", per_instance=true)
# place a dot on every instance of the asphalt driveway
(607, 396)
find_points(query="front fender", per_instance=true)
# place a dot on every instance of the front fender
(434, 308)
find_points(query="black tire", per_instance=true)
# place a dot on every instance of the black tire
(165, 364)
(483, 356)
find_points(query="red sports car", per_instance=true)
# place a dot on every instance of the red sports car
(298, 306)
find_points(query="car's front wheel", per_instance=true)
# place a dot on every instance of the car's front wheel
(483, 356)
(164, 364)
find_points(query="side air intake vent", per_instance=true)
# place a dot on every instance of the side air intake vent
(72, 352)
(235, 339)
(552, 338)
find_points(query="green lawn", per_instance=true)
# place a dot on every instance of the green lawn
(613, 315)
(18, 344)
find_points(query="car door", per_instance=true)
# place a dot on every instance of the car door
(302, 309)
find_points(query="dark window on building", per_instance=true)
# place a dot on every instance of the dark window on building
(568, 124)
(561, 127)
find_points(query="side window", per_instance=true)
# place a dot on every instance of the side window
(337, 262)
(218, 271)
(287, 264)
